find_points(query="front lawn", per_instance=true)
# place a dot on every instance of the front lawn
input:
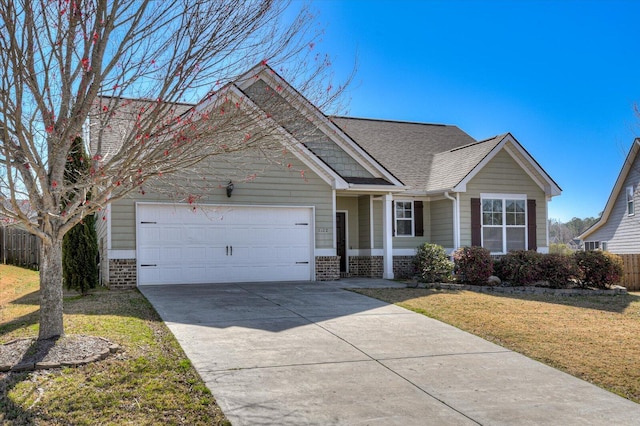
(595, 338)
(150, 381)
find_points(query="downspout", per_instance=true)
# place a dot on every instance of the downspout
(456, 230)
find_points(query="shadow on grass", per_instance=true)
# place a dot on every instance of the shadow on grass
(10, 412)
(607, 303)
(99, 302)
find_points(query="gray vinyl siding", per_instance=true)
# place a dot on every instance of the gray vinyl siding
(442, 223)
(350, 204)
(123, 224)
(364, 235)
(276, 184)
(101, 225)
(502, 175)
(621, 231)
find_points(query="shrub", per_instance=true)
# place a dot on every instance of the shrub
(79, 253)
(80, 244)
(499, 268)
(474, 264)
(599, 269)
(558, 269)
(432, 263)
(521, 267)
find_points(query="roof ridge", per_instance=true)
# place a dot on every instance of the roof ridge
(383, 120)
(473, 144)
(501, 135)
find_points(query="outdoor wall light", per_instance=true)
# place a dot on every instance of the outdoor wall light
(229, 188)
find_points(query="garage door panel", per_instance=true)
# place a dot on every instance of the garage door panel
(223, 244)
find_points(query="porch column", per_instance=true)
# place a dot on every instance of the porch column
(387, 237)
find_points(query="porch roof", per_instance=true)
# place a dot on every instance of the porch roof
(425, 157)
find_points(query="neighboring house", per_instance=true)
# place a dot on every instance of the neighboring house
(618, 229)
(350, 196)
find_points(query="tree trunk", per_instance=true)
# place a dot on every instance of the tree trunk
(51, 325)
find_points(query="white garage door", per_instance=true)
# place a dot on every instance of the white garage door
(217, 244)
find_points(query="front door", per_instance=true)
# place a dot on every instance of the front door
(341, 239)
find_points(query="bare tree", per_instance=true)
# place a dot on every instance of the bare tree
(155, 78)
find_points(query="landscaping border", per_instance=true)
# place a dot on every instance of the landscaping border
(568, 292)
(70, 360)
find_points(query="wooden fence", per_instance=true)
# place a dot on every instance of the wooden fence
(631, 277)
(19, 248)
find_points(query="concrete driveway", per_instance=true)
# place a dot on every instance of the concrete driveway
(315, 354)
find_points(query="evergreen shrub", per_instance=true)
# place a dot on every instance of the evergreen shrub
(80, 244)
(433, 264)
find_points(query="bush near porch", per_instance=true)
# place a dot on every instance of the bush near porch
(474, 265)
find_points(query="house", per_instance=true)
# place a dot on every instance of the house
(345, 197)
(618, 229)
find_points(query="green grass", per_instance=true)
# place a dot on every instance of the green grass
(150, 382)
(595, 338)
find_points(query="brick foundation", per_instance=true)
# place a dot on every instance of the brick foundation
(366, 266)
(122, 274)
(327, 268)
(403, 267)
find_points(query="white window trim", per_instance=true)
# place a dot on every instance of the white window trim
(631, 202)
(593, 243)
(504, 226)
(413, 214)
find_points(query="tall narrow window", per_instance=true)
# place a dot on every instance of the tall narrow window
(630, 205)
(404, 218)
(504, 224)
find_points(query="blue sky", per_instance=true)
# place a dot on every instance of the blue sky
(561, 76)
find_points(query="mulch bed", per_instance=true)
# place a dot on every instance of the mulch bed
(31, 354)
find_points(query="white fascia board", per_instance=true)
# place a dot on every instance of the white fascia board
(333, 132)
(375, 188)
(617, 187)
(294, 146)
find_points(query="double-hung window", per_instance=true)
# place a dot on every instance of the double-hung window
(630, 205)
(504, 223)
(404, 218)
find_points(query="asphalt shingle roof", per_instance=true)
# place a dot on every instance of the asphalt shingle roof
(450, 167)
(426, 157)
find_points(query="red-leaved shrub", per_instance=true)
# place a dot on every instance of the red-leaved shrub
(474, 264)
(598, 268)
(558, 269)
(521, 267)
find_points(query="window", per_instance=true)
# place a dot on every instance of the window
(630, 206)
(603, 246)
(591, 245)
(404, 218)
(504, 224)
